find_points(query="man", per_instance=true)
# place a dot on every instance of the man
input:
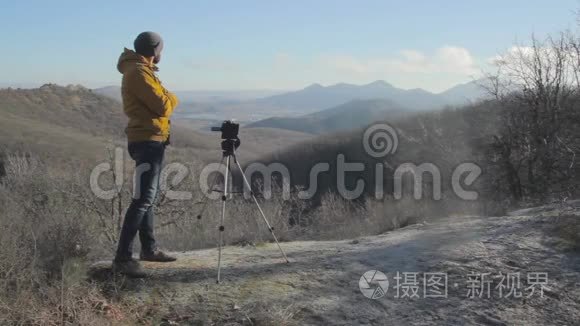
(149, 106)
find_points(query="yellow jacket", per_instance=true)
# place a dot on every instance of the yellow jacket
(145, 101)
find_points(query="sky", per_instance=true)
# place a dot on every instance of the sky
(251, 44)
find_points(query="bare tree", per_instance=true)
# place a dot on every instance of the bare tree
(537, 88)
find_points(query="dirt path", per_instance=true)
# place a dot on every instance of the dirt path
(321, 284)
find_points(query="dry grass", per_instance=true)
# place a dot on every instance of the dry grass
(52, 226)
(45, 247)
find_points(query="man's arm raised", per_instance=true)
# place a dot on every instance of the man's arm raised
(157, 99)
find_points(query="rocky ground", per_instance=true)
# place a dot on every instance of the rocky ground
(321, 285)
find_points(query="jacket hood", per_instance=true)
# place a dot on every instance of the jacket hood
(130, 58)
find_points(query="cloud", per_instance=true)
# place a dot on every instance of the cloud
(457, 59)
(514, 53)
(447, 59)
(435, 71)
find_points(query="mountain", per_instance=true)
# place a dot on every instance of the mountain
(317, 97)
(465, 93)
(351, 115)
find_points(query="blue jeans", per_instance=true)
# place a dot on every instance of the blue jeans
(148, 157)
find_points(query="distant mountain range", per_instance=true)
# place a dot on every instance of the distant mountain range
(364, 104)
(316, 97)
(252, 106)
(351, 115)
(224, 96)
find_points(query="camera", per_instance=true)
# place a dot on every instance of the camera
(229, 129)
(231, 141)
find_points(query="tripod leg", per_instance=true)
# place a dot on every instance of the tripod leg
(260, 209)
(221, 227)
(206, 199)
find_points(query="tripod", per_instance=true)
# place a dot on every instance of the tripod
(229, 151)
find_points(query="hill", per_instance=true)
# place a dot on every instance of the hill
(70, 122)
(445, 138)
(59, 123)
(270, 139)
(73, 122)
(112, 92)
(72, 106)
(351, 115)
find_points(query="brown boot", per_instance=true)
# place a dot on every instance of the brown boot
(157, 256)
(130, 268)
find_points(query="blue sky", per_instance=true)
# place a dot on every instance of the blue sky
(271, 44)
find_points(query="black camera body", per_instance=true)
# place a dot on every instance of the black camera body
(231, 141)
(229, 129)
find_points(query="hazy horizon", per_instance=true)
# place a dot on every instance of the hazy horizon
(4, 85)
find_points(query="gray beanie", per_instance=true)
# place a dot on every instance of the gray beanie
(148, 44)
